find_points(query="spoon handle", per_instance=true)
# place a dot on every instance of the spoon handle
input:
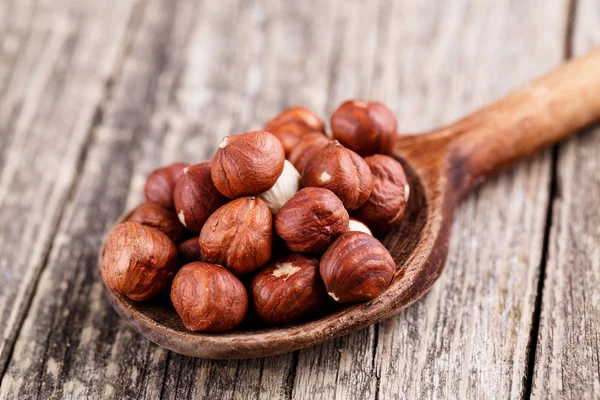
(525, 121)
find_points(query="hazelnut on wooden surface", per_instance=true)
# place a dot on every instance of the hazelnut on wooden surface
(386, 205)
(160, 218)
(287, 185)
(356, 267)
(208, 298)
(301, 116)
(161, 183)
(247, 164)
(311, 220)
(364, 127)
(196, 197)
(306, 148)
(358, 226)
(343, 172)
(288, 290)
(189, 251)
(138, 261)
(239, 235)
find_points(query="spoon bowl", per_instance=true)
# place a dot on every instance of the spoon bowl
(441, 167)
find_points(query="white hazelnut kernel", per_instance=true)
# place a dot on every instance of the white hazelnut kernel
(223, 142)
(325, 177)
(287, 185)
(357, 226)
(181, 218)
(406, 192)
(333, 296)
(285, 269)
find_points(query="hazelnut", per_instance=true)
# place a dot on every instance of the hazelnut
(364, 127)
(284, 189)
(247, 164)
(239, 235)
(189, 251)
(196, 197)
(356, 267)
(343, 172)
(138, 261)
(160, 184)
(386, 206)
(160, 218)
(290, 135)
(306, 148)
(358, 226)
(301, 116)
(288, 290)
(311, 220)
(209, 298)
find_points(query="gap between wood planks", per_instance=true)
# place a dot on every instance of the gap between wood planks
(535, 323)
(134, 20)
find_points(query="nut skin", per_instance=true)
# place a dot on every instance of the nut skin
(343, 172)
(290, 135)
(301, 116)
(189, 251)
(160, 218)
(288, 290)
(161, 183)
(138, 261)
(386, 206)
(208, 298)
(308, 146)
(364, 127)
(239, 235)
(196, 197)
(311, 220)
(356, 267)
(287, 185)
(247, 164)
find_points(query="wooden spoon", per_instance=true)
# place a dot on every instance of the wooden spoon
(442, 166)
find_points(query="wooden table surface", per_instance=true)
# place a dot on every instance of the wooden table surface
(96, 94)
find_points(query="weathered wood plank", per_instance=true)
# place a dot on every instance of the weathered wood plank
(54, 66)
(189, 71)
(469, 337)
(567, 363)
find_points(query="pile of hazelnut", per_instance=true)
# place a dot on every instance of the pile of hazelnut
(282, 217)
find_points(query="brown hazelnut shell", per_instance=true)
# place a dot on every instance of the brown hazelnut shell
(247, 164)
(189, 251)
(161, 183)
(239, 235)
(364, 127)
(386, 205)
(306, 148)
(356, 267)
(138, 261)
(208, 298)
(311, 220)
(288, 290)
(196, 197)
(160, 218)
(290, 135)
(342, 171)
(301, 116)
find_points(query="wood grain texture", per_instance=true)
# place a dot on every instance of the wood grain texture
(567, 358)
(54, 66)
(469, 337)
(193, 71)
